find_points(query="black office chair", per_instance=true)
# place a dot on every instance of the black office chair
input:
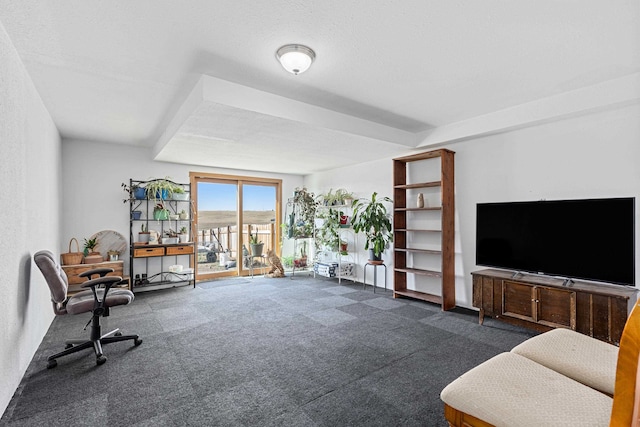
(98, 300)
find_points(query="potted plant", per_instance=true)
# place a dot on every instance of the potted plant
(143, 234)
(302, 262)
(179, 193)
(302, 220)
(371, 218)
(172, 237)
(160, 189)
(256, 245)
(113, 255)
(183, 236)
(344, 220)
(135, 191)
(328, 198)
(160, 212)
(90, 245)
(327, 232)
(343, 197)
(91, 256)
(343, 247)
(183, 215)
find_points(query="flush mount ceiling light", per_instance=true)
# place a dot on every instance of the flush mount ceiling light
(295, 58)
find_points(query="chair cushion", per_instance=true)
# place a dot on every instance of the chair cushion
(82, 302)
(511, 390)
(580, 357)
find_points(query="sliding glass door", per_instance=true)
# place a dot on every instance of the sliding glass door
(217, 215)
(236, 222)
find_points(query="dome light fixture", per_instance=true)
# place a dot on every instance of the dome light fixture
(295, 58)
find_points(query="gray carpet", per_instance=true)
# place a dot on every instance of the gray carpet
(261, 352)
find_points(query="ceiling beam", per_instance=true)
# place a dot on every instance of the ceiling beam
(604, 96)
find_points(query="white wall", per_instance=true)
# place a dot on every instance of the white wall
(92, 176)
(591, 156)
(30, 174)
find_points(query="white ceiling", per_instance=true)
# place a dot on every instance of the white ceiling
(198, 81)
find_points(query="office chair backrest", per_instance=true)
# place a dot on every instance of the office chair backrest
(54, 275)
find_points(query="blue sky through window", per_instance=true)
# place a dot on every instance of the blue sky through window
(222, 197)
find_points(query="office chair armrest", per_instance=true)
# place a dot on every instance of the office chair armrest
(107, 281)
(102, 271)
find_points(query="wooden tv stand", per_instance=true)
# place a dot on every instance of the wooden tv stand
(543, 303)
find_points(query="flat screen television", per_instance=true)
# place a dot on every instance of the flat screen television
(590, 239)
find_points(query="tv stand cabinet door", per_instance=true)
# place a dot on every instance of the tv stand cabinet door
(518, 300)
(556, 307)
(547, 306)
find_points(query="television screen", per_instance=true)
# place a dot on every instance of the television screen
(592, 239)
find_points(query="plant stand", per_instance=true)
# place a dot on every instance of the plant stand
(375, 265)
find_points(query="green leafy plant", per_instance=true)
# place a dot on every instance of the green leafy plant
(301, 220)
(328, 198)
(160, 189)
(143, 228)
(253, 238)
(371, 218)
(129, 190)
(287, 261)
(343, 247)
(90, 245)
(342, 195)
(171, 233)
(327, 232)
(183, 230)
(160, 212)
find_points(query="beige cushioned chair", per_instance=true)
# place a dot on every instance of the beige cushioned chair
(559, 378)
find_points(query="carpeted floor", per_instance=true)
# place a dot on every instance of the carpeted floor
(261, 352)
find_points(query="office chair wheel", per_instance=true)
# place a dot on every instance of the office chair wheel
(117, 334)
(100, 360)
(68, 346)
(137, 342)
(52, 363)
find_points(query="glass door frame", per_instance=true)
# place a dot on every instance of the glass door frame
(239, 181)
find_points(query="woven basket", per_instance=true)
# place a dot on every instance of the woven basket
(72, 257)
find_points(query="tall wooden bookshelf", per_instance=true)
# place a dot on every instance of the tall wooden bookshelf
(409, 231)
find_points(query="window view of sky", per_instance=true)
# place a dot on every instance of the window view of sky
(222, 197)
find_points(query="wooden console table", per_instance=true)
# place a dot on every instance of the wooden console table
(76, 281)
(543, 303)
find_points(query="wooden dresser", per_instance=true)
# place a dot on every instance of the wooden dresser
(76, 281)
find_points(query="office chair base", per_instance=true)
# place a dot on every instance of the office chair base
(74, 346)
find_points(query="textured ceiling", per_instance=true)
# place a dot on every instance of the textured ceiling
(122, 71)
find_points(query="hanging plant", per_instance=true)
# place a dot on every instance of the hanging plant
(327, 233)
(160, 189)
(301, 220)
